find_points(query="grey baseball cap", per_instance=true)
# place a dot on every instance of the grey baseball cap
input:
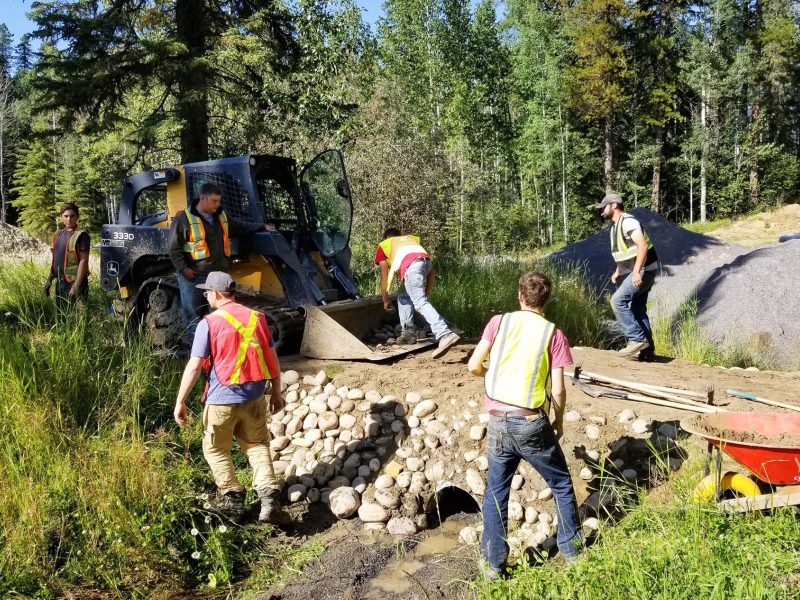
(609, 199)
(218, 281)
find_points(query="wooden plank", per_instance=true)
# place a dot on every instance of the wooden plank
(763, 502)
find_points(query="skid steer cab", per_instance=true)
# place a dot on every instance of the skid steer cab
(299, 275)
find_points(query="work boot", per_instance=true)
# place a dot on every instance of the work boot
(647, 355)
(271, 509)
(409, 336)
(633, 347)
(489, 572)
(445, 343)
(230, 505)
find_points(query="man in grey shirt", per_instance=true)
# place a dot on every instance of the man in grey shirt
(637, 265)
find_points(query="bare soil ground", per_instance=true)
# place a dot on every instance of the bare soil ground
(358, 564)
(761, 229)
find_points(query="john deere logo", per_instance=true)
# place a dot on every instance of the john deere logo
(112, 268)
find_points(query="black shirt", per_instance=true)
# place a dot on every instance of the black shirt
(217, 261)
(60, 249)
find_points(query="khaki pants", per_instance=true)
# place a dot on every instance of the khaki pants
(248, 423)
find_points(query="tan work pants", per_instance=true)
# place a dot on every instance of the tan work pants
(248, 423)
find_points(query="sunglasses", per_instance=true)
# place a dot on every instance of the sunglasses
(207, 292)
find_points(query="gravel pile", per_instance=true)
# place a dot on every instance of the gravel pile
(744, 296)
(755, 300)
(17, 245)
(688, 260)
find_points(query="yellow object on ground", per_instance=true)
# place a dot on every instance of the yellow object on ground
(736, 482)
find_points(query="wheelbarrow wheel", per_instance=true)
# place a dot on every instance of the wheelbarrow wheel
(739, 484)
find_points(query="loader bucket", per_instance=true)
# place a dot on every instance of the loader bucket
(336, 331)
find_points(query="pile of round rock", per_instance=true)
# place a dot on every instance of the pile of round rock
(386, 334)
(382, 458)
(377, 457)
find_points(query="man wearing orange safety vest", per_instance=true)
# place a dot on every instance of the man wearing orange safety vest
(199, 242)
(525, 377)
(70, 264)
(403, 255)
(232, 346)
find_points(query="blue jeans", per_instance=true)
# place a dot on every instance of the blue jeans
(63, 288)
(193, 303)
(412, 296)
(630, 307)
(510, 440)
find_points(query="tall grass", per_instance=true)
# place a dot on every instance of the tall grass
(674, 551)
(468, 292)
(99, 487)
(682, 338)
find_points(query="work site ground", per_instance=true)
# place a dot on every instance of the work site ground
(363, 561)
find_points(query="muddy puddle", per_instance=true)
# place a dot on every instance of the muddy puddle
(398, 577)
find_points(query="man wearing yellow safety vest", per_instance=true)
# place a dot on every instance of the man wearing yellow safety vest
(403, 255)
(232, 346)
(199, 242)
(524, 379)
(70, 265)
(637, 265)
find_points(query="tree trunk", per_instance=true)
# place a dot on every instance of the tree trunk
(757, 31)
(655, 195)
(608, 163)
(754, 183)
(703, 158)
(564, 211)
(691, 193)
(462, 200)
(192, 105)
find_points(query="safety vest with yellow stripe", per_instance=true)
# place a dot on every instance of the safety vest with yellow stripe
(197, 246)
(519, 361)
(397, 248)
(620, 250)
(239, 341)
(71, 258)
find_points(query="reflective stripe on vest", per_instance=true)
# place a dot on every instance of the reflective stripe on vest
(397, 248)
(71, 258)
(240, 352)
(620, 250)
(519, 361)
(197, 246)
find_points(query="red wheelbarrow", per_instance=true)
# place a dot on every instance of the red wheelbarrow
(766, 444)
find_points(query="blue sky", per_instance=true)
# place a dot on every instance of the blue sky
(12, 13)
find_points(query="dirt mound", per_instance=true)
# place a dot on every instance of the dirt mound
(753, 300)
(761, 229)
(687, 259)
(17, 245)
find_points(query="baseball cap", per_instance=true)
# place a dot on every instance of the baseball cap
(609, 199)
(218, 281)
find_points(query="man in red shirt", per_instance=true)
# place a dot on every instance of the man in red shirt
(404, 255)
(527, 355)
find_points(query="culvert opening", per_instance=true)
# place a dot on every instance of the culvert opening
(450, 500)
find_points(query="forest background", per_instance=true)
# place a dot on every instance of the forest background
(484, 127)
